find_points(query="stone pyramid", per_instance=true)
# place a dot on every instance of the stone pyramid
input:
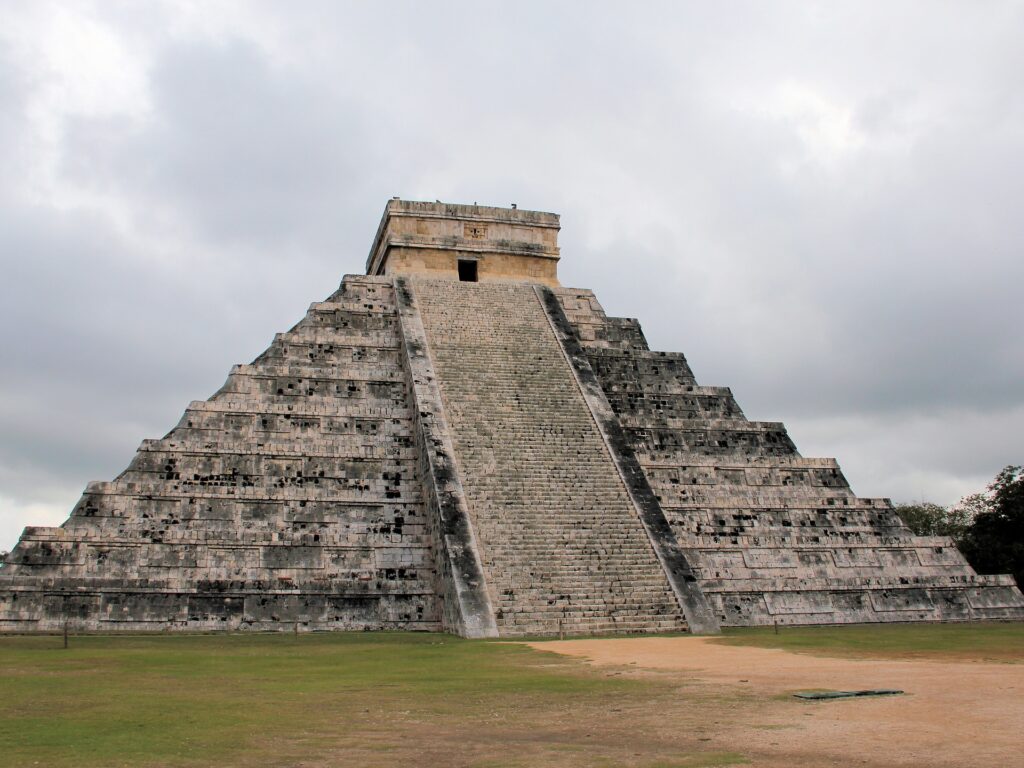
(456, 442)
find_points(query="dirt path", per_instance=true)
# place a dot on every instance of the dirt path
(955, 714)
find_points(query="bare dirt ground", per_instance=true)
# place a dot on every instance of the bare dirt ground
(953, 713)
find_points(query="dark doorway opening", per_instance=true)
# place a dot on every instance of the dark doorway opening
(467, 270)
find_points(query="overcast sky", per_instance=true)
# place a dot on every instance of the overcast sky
(819, 204)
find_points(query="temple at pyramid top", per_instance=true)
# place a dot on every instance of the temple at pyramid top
(472, 243)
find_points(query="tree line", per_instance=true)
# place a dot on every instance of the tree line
(988, 528)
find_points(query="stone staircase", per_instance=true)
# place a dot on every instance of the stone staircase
(561, 543)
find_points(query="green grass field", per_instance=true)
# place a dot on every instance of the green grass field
(979, 642)
(353, 699)
(382, 699)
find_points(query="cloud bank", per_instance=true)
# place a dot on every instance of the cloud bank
(818, 204)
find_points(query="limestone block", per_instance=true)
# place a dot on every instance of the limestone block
(902, 600)
(283, 556)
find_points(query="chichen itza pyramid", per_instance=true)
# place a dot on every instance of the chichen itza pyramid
(454, 441)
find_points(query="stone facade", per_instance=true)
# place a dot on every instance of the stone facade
(455, 442)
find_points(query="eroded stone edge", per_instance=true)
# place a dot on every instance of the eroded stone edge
(467, 606)
(700, 618)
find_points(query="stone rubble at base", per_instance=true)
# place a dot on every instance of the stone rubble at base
(488, 458)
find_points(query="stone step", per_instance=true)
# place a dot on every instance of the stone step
(302, 408)
(826, 584)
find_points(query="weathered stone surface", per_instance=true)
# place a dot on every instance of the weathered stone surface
(699, 616)
(468, 609)
(487, 458)
(430, 239)
(561, 542)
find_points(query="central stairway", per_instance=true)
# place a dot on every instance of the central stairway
(561, 543)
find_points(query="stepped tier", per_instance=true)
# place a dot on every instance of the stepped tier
(292, 496)
(771, 536)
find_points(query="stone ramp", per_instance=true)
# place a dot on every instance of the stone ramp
(561, 543)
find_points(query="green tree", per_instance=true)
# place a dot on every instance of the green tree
(969, 507)
(927, 519)
(994, 541)
(922, 518)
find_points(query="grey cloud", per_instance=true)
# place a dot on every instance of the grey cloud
(870, 303)
(242, 155)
